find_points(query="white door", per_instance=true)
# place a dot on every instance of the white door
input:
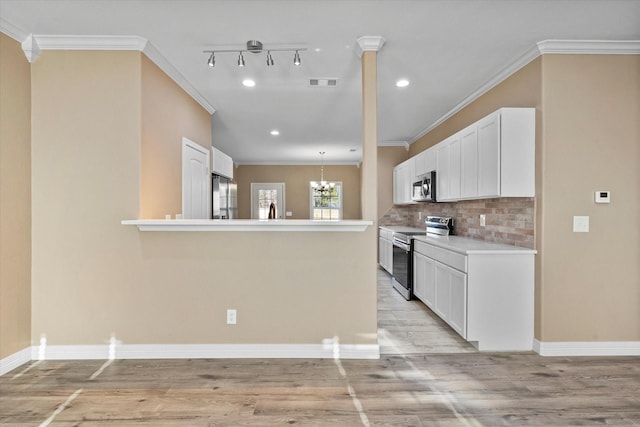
(263, 195)
(196, 181)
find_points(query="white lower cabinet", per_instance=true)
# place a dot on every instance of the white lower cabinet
(385, 250)
(485, 295)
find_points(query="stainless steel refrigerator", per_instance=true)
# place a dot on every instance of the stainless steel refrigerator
(224, 199)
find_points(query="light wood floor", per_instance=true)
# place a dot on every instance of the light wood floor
(461, 388)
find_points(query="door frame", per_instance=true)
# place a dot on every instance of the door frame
(282, 209)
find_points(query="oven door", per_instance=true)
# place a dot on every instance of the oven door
(402, 268)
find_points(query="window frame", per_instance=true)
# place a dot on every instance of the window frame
(340, 201)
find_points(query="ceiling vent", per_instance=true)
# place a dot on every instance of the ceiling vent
(323, 82)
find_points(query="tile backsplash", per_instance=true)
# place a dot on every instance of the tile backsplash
(508, 220)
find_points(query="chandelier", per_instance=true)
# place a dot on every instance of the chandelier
(323, 187)
(255, 46)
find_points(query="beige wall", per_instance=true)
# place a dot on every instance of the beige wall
(15, 198)
(94, 278)
(296, 180)
(590, 281)
(168, 115)
(388, 158)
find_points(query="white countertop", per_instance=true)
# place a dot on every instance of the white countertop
(468, 246)
(401, 229)
(247, 225)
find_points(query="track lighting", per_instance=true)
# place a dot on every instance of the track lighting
(255, 46)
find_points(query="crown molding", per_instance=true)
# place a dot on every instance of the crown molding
(568, 47)
(55, 42)
(134, 43)
(369, 43)
(30, 48)
(404, 144)
(589, 47)
(16, 33)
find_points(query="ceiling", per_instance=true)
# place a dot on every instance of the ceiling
(447, 49)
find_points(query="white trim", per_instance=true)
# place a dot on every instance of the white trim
(16, 33)
(92, 42)
(587, 348)
(208, 351)
(30, 48)
(581, 47)
(15, 360)
(281, 225)
(589, 47)
(404, 144)
(368, 44)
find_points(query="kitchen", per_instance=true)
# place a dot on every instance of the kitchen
(151, 113)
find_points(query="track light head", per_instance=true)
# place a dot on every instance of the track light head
(212, 60)
(296, 58)
(269, 59)
(240, 60)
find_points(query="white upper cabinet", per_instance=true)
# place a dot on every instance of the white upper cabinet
(448, 169)
(403, 177)
(425, 162)
(494, 157)
(469, 162)
(221, 164)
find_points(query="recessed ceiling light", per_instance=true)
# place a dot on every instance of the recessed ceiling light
(275, 132)
(248, 83)
(402, 83)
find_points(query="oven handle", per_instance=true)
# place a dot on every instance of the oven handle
(402, 245)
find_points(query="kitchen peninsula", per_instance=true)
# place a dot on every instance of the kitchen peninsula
(248, 225)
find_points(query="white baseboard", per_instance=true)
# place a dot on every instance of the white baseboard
(587, 348)
(206, 351)
(14, 360)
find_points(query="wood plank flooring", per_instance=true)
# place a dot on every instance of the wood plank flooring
(461, 388)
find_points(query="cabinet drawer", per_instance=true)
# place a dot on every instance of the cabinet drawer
(386, 234)
(424, 249)
(452, 259)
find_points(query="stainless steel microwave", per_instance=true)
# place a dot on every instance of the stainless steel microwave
(424, 189)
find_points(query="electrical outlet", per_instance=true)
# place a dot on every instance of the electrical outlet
(483, 220)
(231, 316)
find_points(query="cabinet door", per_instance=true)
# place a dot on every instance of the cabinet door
(443, 294)
(389, 255)
(454, 168)
(469, 163)
(458, 309)
(419, 275)
(382, 258)
(429, 285)
(442, 171)
(397, 186)
(489, 156)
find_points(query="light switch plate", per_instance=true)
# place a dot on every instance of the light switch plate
(580, 224)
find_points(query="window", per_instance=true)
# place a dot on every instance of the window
(327, 205)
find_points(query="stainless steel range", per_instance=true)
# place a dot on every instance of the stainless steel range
(403, 252)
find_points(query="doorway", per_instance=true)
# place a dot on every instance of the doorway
(263, 195)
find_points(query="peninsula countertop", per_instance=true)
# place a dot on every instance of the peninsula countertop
(248, 225)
